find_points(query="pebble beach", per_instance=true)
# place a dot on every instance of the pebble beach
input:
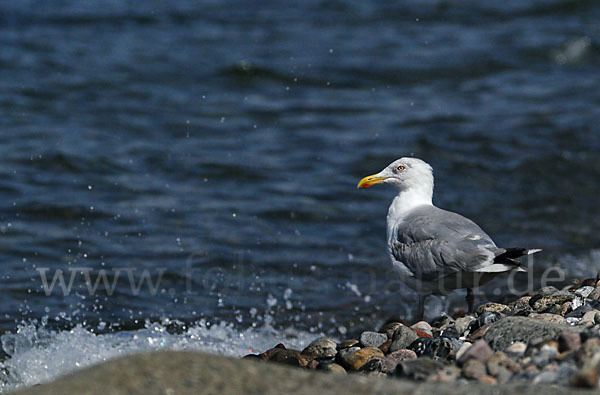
(549, 337)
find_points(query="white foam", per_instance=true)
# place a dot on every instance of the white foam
(38, 355)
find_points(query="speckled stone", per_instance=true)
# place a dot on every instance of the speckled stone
(402, 338)
(493, 307)
(372, 339)
(554, 318)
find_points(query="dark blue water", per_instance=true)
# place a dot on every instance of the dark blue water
(217, 146)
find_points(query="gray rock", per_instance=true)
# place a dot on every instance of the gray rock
(520, 329)
(590, 318)
(402, 338)
(546, 378)
(373, 339)
(321, 348)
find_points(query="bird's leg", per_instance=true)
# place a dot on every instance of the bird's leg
(470, 300)
(420, 309)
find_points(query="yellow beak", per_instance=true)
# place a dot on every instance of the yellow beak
(369, 181)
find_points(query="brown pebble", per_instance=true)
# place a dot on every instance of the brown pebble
(478, 334)
(474, 369)
(479, 351)
(312, 364)
(488, 380)
(569, 341)
(585, 379)
(362, 356)
(385, 346)
(421, 333)
(348, 343)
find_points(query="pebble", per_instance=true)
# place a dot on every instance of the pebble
(390, 328)
(493, 308)
(320, 348)
(344, 354)
(569, 341)
(448, 374)
(474, 369)
(385, 347)
(465, 346)
(487, 380)
(372, 339)
(348, 343)
(546, 378)
(463, 323)
(362, 356)
(542, 303)
(557, 319)
(550, 338)
(589, 318)
(595, 295)
(479, 351)
(585, 379)
(287, 357)
(331, 367)
(402, 338)
(435, 348)
(517, 349)
(418, 369)
(584, 292)
(500, 361)
(423, 327)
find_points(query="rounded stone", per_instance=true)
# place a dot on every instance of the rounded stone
(479, 351)
(320, 348)
(362, 356)
(402, 338)
(332, 368)
(348, 343)
(390, 328)
(474, 369)
(423, 327)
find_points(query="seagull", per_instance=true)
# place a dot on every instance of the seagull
(436, 251)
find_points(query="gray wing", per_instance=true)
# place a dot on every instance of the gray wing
(431, 242)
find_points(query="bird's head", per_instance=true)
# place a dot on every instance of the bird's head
(404, 174)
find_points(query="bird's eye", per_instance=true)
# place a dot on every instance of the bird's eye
(401, 168)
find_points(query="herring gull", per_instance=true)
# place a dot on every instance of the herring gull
(436, 251)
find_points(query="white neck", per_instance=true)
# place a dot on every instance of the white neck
(408, 199)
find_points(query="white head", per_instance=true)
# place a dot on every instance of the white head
(406, 174)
